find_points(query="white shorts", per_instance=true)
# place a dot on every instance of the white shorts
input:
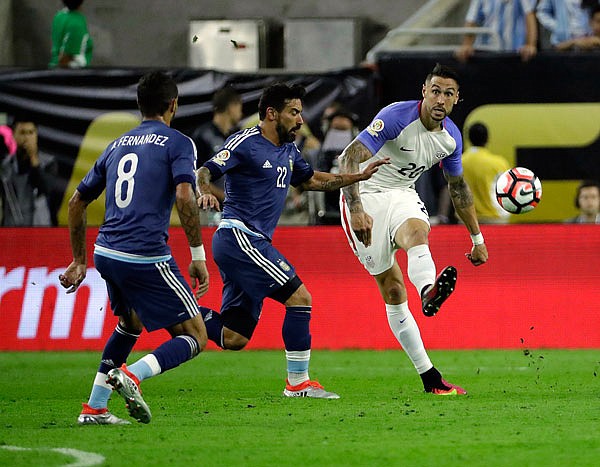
(389, 210)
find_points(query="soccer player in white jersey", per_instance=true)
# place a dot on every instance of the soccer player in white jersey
(144, 172)
(384, 214)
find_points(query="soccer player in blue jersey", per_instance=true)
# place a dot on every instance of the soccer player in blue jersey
(259, 165)
(385, 214)
(144, 172)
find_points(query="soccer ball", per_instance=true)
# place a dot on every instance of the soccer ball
(518, 190)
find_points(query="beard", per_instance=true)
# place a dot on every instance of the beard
(286, 136)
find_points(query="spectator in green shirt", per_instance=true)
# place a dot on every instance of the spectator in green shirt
(71, 42)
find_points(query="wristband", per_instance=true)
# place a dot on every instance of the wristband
(198, 253)
(477, 239)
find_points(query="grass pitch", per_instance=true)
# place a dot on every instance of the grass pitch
(524, 408)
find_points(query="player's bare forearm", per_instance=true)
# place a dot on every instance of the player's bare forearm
(189, 216)
(462, 199)
(349, 162)
(203, 178)
(77, 226)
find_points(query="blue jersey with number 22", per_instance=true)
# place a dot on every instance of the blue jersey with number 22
(258, 175)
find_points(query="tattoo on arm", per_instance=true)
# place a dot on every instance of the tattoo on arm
(352, 156)
(203, 177)
(190, 218)
(459, 192)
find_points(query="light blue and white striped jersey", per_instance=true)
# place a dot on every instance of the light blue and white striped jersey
(565, 19)
(506, 17)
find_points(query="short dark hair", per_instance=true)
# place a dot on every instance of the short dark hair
(21, 118)
(277, 95)
(72, 4)
(443, 71)
(155, 91)
(585, 184)
(223, 98)
(478, 134)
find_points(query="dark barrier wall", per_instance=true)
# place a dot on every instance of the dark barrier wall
(540, 288)
(79, 112)
(543, 114)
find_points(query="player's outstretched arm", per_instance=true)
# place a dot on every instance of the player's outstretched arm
(75, 273)
(185, 200)
(325, 181)
(462, 199)
(206, 198)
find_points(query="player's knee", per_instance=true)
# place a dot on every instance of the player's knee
(395, 292)
(233, 340)
(301, 297)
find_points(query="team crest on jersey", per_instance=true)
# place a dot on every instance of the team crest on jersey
(222, 157)
(375, 127)
(440, 155)
(370, 262)
(283, 265)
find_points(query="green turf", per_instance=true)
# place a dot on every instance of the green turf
(224, 408)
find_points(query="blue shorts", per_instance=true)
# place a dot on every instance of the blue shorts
(157, 292)
(251, 269)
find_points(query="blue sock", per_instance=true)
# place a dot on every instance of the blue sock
(174, 352)
(297, 340)
(117, 349)
(296, 328)
(214, 325)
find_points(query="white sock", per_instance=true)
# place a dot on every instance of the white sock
(405, 329)
(421, 268)
(297, 366)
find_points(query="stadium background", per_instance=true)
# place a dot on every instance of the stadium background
(544, 115)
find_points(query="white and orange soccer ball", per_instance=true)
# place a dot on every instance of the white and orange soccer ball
(518, 190)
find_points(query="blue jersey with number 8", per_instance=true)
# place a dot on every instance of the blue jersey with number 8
(140, 171)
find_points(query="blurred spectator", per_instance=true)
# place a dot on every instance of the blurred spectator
(513, 20)
(210, 137)
(563, 19)
(72, 44)
(27, 180)
(481, 169)
(591, 41)
(587, 200)
(340, 129)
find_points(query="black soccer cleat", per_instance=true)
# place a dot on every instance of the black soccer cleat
(436, 294)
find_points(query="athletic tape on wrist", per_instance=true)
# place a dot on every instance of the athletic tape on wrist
(198, 253)
(477, 239)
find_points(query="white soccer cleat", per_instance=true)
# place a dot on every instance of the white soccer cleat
(127, 385)
(91, 416)
(308, 389)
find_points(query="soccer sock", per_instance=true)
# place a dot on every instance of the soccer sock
(169, 355)
(421, 268)
(432, 378)
(297, 340)
(405, 329)
(214, 325)
(117, 349)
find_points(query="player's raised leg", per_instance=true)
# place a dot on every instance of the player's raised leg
(406, 331)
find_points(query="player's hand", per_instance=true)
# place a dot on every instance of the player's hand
(527, 52)
(373, 167)
(463, 53)
(199, 274)
(361, 224)
(73, 276)
(478, 255)
(208, 201)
